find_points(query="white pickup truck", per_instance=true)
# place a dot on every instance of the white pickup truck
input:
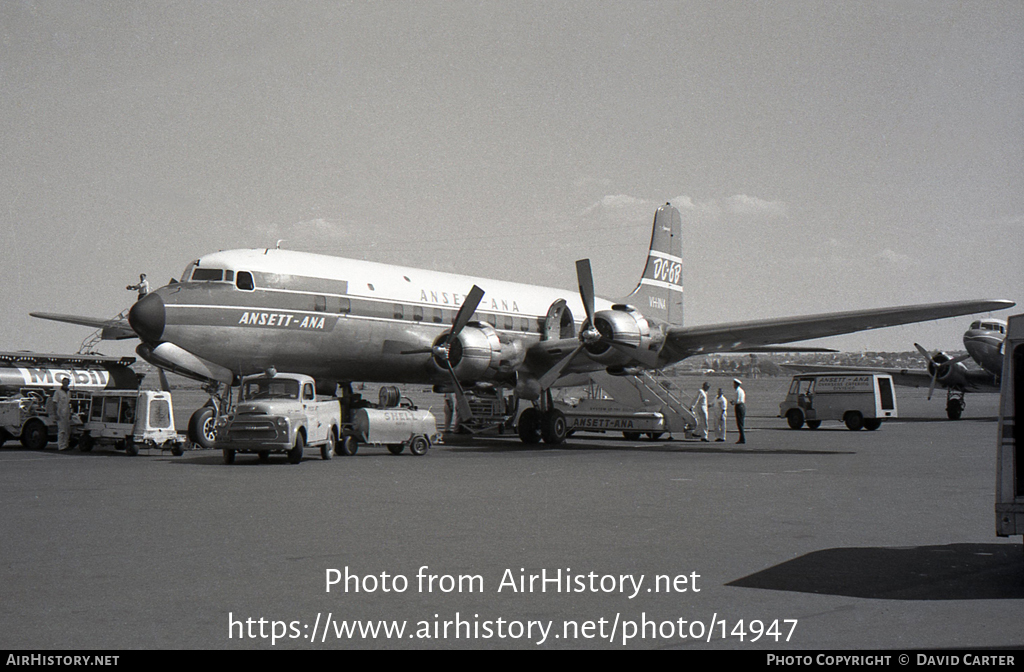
(279, 414)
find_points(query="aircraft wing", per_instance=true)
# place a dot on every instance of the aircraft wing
(974, 380)
(113, 329)
(682, 342)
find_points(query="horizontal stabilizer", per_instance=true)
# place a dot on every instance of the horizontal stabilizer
(113, 330)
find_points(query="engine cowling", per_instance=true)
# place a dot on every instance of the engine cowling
(623, 324)
(950, 373)
(478, 353)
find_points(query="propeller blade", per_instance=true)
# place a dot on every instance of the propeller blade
(931, 387)
(465, 412)
(466, 311)
(421, 351)
(924, 353)
(585, 279)
(552, 374)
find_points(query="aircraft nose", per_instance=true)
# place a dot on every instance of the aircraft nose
(147, 317)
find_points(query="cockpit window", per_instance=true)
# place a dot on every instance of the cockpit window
(207, 275)
(243, 280)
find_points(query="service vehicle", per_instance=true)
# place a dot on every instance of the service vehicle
(1009, 451)
(129, 420)
(860, 400)
(28, 416)
(395, 423)
(279, 413)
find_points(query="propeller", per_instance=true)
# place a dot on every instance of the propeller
(442, 349)
(590, 335)
(937, 364)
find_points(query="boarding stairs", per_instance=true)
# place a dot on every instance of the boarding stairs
(92, 340)
(645, 391)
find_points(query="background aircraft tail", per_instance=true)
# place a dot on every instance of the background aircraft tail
(659, 294)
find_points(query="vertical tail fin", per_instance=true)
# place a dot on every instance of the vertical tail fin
(659, 294)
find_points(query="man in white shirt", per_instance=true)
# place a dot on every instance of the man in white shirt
(740, 405)
(699, 408)
(721, 416)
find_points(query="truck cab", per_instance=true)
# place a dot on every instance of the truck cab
(860, 400)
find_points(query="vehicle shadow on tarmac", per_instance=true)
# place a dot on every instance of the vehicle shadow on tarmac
(595, 444)
(950, 572)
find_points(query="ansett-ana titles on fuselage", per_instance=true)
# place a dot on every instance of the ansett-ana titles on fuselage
(335, 319)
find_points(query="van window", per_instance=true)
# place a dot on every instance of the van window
(885, 390)
(244, 281)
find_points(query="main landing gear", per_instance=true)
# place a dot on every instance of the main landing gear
(547, 423)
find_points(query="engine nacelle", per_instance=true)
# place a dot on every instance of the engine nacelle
(950, 374)
(622, 324)
(479, 354)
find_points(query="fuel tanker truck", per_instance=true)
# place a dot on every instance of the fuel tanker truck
(29, 379)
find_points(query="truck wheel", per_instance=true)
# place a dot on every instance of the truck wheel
(229, 456)
(528, 426)
(813, 424)
(34, 435)
(202, 427)
(631, 436)
(795, 418)
(654, 436)
(131, 447)
(871, 424)
(349, 445)
(553, 427)
(396, 448)
(327, 450)
(177, 450)
(263, 456)
(86, 443)
(295, 454)
(419, 445)
(854, 420)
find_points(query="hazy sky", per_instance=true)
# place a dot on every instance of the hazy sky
(825, 156)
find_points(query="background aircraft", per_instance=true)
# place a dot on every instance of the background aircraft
(343, 320)
(984, 342)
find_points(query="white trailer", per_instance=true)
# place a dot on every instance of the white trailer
(1009, 451)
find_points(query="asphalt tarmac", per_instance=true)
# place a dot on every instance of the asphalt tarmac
(826, 539)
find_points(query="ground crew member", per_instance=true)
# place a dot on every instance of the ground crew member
(62, 411)
(741, 408)
(142, 287)
(721, 416)
(700, 403)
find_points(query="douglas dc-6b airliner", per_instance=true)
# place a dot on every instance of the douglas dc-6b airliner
(342, 320)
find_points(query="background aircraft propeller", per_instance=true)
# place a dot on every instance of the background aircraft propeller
(938, 363)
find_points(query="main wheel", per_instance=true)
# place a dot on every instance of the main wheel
(295, 454)
(327, 450)
(553, 427)
(954, 409)
(795, 418)
(34, 435)
(396, 448)
(854, 420)
(528, 426)
(202, 427)
(419, 445)
(349, 445)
